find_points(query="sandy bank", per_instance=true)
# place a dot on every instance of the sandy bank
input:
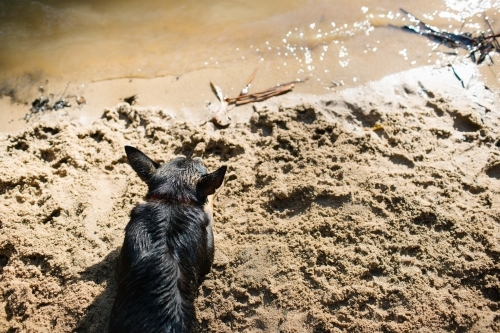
(372, 209)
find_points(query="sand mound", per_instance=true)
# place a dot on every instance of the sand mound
(375, 209)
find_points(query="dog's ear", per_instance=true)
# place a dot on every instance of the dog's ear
(143, 165)
(210, 182)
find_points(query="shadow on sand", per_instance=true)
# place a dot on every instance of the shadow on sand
(97, 314)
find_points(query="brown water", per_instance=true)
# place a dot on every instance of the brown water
(57, 44)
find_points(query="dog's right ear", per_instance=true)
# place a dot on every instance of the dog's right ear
(210, 182)
(143, 165)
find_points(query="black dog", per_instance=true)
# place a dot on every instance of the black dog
(168, 247)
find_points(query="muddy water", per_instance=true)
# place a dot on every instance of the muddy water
(60, 47)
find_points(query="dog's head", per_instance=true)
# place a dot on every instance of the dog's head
(182, 179)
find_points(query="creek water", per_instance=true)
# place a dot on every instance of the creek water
(56, 44)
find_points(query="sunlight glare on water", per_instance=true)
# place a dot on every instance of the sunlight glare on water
(470, 7)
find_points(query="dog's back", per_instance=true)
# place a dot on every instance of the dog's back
(168, 248)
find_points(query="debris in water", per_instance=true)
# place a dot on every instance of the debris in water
(40, 104)
(482, 44)
(60, 104)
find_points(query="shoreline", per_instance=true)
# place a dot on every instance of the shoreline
(174, 94)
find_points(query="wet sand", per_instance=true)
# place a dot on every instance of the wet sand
(369, 209)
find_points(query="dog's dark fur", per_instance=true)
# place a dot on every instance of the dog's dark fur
(168, 247)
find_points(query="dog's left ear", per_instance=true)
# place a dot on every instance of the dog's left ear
(141, 163)
(210, 182)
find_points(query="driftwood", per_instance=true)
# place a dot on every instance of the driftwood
(221, 117)
(474, 44)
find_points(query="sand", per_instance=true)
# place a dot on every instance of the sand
(372, 209)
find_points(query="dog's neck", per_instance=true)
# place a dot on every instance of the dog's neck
(172, 199)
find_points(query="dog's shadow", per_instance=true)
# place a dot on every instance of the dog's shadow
(97, 314)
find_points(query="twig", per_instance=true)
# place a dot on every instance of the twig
(262, 95)
(217, 90)
(458, 77)
(482, 44)
(221, 117)
(495, 41)
(246, 88)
